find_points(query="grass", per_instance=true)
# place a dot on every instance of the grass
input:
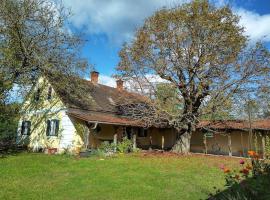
(40, 176)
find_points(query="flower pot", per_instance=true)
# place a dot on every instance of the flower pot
(52, 151)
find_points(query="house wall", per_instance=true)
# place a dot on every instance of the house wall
(38, 113)
(218, 144)
(156, 136)
(107, 133)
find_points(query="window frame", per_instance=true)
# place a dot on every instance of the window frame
(49, 123)
(37, 95)
(142, 132)
(28, 127)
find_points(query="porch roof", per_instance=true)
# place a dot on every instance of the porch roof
(103, 118)
(263, 124)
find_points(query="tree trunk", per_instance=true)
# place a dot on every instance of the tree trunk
(182, 144)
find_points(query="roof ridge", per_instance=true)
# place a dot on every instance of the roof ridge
(114, 88)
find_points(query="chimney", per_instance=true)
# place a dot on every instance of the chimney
(120, 85)
(94, 77)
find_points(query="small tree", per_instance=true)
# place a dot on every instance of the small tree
(201, 51)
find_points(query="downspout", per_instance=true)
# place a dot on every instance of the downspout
(95, 126)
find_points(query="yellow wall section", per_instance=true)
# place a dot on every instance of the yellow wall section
(218, 144)
(107, 133)
(38, 113)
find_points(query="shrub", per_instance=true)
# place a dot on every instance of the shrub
(125, 146)
(250, 182)
(106, 148)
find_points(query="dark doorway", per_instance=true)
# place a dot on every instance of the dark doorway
(128, 133)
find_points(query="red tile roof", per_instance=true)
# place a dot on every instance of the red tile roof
(103, 118)
(263, 124)
(85, 95)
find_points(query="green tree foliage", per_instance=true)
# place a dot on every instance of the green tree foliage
(167, 99)
(202, 51)
(209, 110)
(34, 42)
(8, 123)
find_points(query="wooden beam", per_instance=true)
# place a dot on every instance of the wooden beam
(230, 144)
(162, 142)
(134, 142)
(263, 145)
(86, 137)
(115, 142)
(242, 144)
(151, 142)
(205, 143)
(92, 140)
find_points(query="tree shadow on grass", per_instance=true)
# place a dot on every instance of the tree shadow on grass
(255, 188)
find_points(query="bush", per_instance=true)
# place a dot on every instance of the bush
(250, 182)
(106, 148)
(125, 146)
(8, 126)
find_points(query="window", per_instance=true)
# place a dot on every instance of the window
(49, 93)
(26, 127)
(142, 132)
(52, 127)
(37, 94)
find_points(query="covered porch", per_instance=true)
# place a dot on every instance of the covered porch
(106, 127)
(231, 137)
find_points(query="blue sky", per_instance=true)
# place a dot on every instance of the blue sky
(106, 24)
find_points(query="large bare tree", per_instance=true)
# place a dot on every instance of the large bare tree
(201, 51)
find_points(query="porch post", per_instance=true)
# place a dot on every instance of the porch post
(230, 144)
(242, 144)
(162, 142)
(92, 140)
(86, 137)
(205, 143)
(134, 142)
(115, 141)
(150, 140)
(263, 145)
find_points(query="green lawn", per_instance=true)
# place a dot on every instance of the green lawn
(40, 176)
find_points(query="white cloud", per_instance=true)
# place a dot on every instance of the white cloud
(107, 80)
(118, 19)
(257, 26)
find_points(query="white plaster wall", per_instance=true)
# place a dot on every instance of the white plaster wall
(68, 132)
